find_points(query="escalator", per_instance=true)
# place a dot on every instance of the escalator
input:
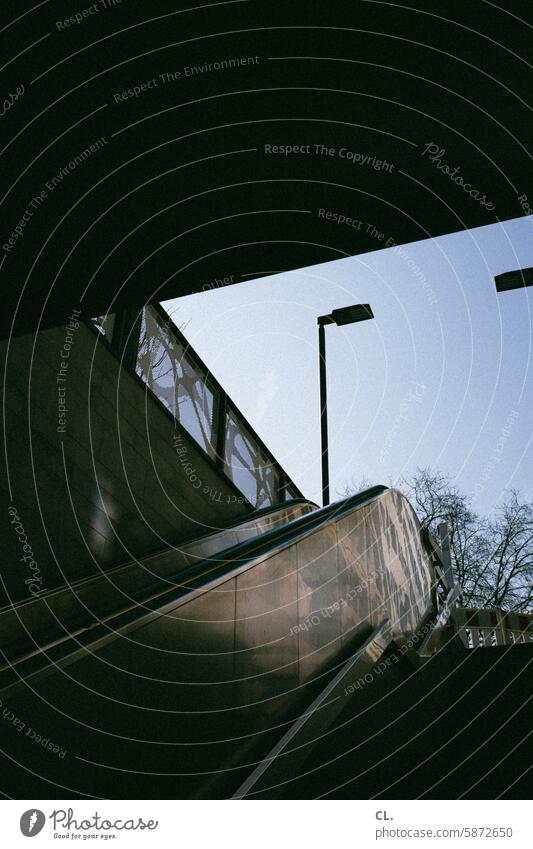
(68, 610)
(235, 671)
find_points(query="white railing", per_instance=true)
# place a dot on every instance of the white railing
(479, 628)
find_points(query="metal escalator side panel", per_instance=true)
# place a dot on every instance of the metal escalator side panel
(353, 551)
(224, 663)
(293, 747)
(46, 620)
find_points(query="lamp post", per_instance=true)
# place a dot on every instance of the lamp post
(345, 315)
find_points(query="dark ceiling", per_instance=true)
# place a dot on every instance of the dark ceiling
(185, 190)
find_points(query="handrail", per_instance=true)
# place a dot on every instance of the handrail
(250, 553)
(132, 583)
(437, 557)
(193, 581)
(432, 642)
(364, 554)
(108, 573)
(308, 729)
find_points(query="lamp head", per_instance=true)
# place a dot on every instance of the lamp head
(347, 315)
(514, 279)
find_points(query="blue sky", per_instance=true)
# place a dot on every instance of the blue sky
(440, 378)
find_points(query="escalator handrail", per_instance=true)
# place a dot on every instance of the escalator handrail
(146, 558)
(202, 577)
(249, 552)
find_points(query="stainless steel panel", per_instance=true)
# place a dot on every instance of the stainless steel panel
(212, 668)
(319, 617)
(266, 646)
(191, 647)
(63, 611)
(213, 544)
(357, 578)
(290, 751)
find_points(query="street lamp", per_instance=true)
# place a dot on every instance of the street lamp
(514, 279)
(345, 315)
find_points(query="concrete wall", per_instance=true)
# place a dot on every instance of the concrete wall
(90, 472)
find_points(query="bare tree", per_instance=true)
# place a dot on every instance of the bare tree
(505, 551)
(492, 556)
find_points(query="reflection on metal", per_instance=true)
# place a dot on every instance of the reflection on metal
(182, 383)
(105, 325)
(63, 613)
(479, 628)
(302, 593)
(235, 649)
(444, 536)
(438, 634)
(442, 583)
(294, 747)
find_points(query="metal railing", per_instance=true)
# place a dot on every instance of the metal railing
(483, 628)
(475, 627)
(177, 377)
